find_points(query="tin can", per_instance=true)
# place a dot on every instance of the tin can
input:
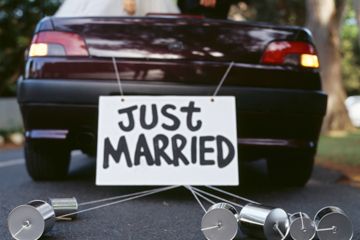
(264, 222)
(302, 227)
(64, 206)
(333, 224)
(31, 221)
(220, 222)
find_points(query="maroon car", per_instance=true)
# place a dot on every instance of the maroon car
(275, 79)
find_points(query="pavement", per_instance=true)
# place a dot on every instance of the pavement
(171, 215)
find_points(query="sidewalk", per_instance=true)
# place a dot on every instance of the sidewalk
(10, 117)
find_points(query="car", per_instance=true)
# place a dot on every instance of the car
(353, 106)
(275, 79)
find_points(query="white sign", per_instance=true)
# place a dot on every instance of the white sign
(167, 140)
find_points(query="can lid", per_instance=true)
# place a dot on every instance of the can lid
(219, 223)
(277, 225)
(333, 224)
(25, 222)
(302, 227)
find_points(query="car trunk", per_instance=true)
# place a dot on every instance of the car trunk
(174, 50)
(167, 39)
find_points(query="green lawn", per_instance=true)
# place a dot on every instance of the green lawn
(340, 149)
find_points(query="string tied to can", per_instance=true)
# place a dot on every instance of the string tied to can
(36, 218)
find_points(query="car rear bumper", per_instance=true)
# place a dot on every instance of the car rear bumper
(267, 118)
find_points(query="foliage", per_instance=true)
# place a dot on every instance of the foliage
(341, 149)
(289, 12)
(350, 54)
(17, 22)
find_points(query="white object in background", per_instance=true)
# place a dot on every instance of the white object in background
(353, 106)
(167, 140)
(17, 138)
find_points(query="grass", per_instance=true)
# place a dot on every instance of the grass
(341, 149)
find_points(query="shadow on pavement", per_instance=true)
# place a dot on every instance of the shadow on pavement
(253, 181)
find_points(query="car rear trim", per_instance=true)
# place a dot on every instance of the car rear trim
(46, 134)
(288, 143)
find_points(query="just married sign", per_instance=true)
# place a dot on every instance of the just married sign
(167, 140)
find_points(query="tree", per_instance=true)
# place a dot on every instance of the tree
(289, 12)
(17, 22)
(350, 51)
(324, 19)
(356, 4)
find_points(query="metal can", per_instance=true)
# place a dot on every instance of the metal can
(31, 221)
(333, 224)
(302, 227)
(220, 222)
(264, 222)
(64, 206)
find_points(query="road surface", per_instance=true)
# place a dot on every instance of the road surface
(167, 216)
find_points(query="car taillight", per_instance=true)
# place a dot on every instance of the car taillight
(57, 44)
(291, 53)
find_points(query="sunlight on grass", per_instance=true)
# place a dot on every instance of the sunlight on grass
(340, 149)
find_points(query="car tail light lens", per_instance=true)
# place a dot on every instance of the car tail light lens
(309, 60)
(291, 53)
(57, 44)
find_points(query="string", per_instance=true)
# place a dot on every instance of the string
(25, 225)
(117, 202)
(302, 221)
(205, 198)
(325, 229)
(223, 79)
(234, 195)
(209, 228)
(279, 231)
(115, 198)
(231, 194)
(117, 76)
(196, 197)
(216, 197)
(20, 230)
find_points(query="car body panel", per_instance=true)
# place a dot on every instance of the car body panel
(278, 106)
(272, 114)
(176, 38)
(191, 72)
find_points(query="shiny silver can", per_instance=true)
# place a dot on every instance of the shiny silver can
(264, 222)
(220, 222)
(302, 227)
(333, 224)
(64, 206)
(31, 221)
